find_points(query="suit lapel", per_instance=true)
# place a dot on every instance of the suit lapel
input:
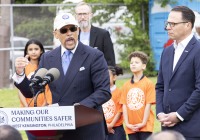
(93, 36)
(78, 58)
(55, 61)
(54, 58)
(185, 53)
(171, 61)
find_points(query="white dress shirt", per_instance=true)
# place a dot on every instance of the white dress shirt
(179, 48)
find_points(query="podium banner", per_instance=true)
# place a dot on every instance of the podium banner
(39, 118)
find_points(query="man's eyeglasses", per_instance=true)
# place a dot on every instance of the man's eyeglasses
(65, 30)
(172, 24)
(82, 14)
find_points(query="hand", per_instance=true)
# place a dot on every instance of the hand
(170, 120)
(110, 128)
(161, 116)
(21, 63)
(139, 125)
(132, 127)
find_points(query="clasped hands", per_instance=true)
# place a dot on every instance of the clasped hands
(135, 127)
(168, 120)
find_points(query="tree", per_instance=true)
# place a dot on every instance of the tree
(136, 18)
(35, 22)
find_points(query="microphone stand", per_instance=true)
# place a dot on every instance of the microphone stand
(41, 89)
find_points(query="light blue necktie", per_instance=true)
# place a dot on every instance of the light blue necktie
(66, 58)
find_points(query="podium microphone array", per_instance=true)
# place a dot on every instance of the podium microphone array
(44, 77)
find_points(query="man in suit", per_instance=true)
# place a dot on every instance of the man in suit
(86, 81)
(93, 36)
(178, 83)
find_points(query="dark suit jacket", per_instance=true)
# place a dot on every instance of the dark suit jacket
(100, 39)
(89, 86)
(179, 90)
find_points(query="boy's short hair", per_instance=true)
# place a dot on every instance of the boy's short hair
(143, 56)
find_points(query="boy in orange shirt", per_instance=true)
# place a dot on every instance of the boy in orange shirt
(113, 109)
(137, 97)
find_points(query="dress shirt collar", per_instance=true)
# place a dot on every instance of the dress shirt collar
(184, 42)
(63, 49)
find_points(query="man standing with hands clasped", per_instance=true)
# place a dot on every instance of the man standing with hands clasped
(83, 80)
(93, 36)
(178, 83)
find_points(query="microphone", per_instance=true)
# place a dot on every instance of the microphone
(52, 75)
(38, 78)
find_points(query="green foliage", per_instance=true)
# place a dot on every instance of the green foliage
(37, 1)
(136, 19)
(42, 27)
(35, 22)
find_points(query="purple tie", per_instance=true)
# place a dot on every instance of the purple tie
(66, 58)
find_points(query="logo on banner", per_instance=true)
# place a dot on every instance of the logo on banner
(3, 118)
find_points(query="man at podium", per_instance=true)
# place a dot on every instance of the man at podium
(83, 79)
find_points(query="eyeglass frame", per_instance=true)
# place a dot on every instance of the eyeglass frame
(82, 14)
(71, 28)
(173, 24)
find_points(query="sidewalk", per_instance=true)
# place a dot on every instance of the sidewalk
(124, 76)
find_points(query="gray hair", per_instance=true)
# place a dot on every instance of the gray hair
(162, 135)
(81, 4)
(8, 132)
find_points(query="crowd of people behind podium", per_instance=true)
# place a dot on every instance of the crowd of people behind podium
(128, 112)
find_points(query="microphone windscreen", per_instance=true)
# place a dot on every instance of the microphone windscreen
(41, 72)
(54, 72)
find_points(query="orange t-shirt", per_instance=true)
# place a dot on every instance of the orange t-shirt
(135, 96)
(29, 71)
(112, 107)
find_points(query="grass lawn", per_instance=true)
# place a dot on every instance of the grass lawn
(9, 98)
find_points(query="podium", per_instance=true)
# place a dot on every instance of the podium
(86, 116)
(83, 116)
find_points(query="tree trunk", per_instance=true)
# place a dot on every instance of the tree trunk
(4, 43)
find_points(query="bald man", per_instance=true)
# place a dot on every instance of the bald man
(167, 135)
(8, 132)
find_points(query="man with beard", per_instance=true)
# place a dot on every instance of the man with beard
(93, 36)
(85, 81)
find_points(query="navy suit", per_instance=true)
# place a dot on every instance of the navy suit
(179, 90)
(100, 39)
(86, 82)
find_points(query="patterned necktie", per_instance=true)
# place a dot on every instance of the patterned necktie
(66, 58)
